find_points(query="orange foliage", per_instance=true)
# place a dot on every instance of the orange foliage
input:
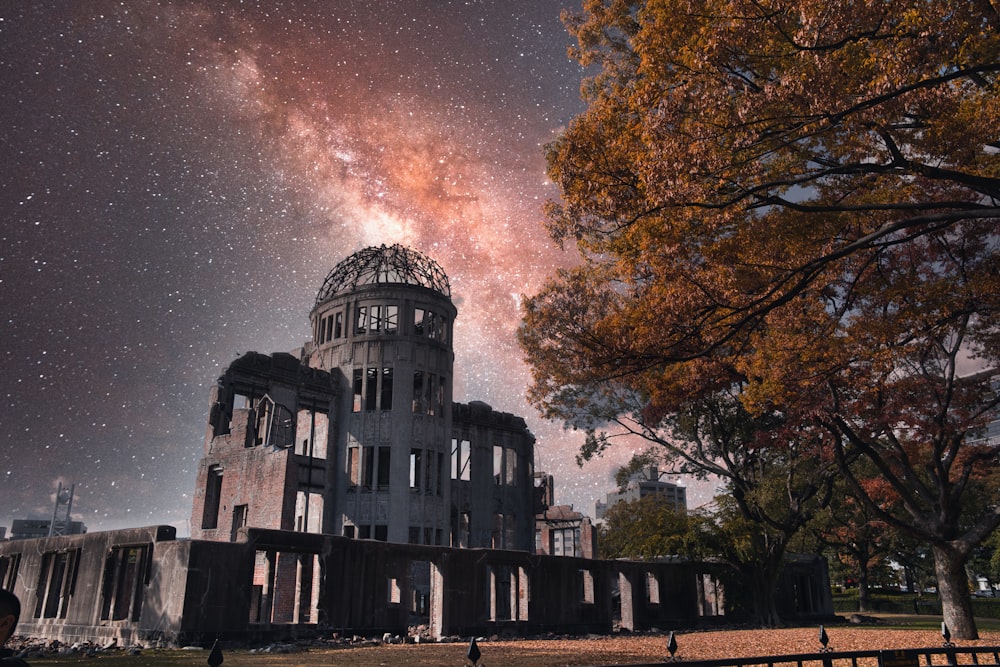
(798, 198)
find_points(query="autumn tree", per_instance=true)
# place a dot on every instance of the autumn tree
(798, 199)
(857, 538)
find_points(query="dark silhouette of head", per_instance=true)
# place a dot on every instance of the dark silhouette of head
(10, 611)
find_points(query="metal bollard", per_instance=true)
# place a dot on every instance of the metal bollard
(672, 647)
(474, 654)
(215, 657)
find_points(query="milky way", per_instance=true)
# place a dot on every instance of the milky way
(179, 177)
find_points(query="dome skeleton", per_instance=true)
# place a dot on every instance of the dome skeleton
(384, 265)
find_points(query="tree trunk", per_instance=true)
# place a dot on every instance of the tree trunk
(764, 609)
(764, 585)
(953, 589)
(864, 603)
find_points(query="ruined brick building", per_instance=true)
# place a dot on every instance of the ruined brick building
(341, 490)
(356, 434)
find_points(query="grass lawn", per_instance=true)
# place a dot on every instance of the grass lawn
(928, 621)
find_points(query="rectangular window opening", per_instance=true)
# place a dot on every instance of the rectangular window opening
(465, 458)
(56, 583)
(465, 529)
(213, 498)
(9, 565)
(395, 592)
(439, 394)
(439, 475)
(652, 588)
(126, 573)
(358, 386)
(586, 586)
(367, 466)
(432, 325)
(418, 321)
(430, 400)
(386, 398)
(497, 465)
(510, 467)
(361, 321)
(419, 404)
(391, 319)
(416, 465)
(498, 532)
(354, 465)
(371, 388)
(384, 454)
(239, 521)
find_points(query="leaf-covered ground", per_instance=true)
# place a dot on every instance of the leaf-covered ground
(617, 650)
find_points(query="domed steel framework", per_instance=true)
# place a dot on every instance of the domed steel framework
(384, 265)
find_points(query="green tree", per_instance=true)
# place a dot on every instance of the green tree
(753, 552)
(771, 475)
(799, 199)
(916, 559)
(646, 528)
(988, 562)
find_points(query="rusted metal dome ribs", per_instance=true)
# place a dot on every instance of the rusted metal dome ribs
(384, 265)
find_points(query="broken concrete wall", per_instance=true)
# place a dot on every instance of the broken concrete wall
(216, 593)
(264, 446)
(142, 585)
(97, 586)
(491, 489)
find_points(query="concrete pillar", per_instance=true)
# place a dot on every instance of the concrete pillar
(625, 590)
(493, 592)
(523, 593)
(283, 597)
(267, 594)
(304, 590)
(440, 616)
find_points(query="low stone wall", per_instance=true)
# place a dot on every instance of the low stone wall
(144, 586)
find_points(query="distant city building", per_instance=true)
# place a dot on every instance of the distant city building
(992, 434)
(23, 529)
(642, 485)
(559, 529)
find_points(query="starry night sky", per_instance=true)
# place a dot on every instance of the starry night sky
(179, 177)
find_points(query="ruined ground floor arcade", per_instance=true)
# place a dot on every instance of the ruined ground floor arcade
(142, 585)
